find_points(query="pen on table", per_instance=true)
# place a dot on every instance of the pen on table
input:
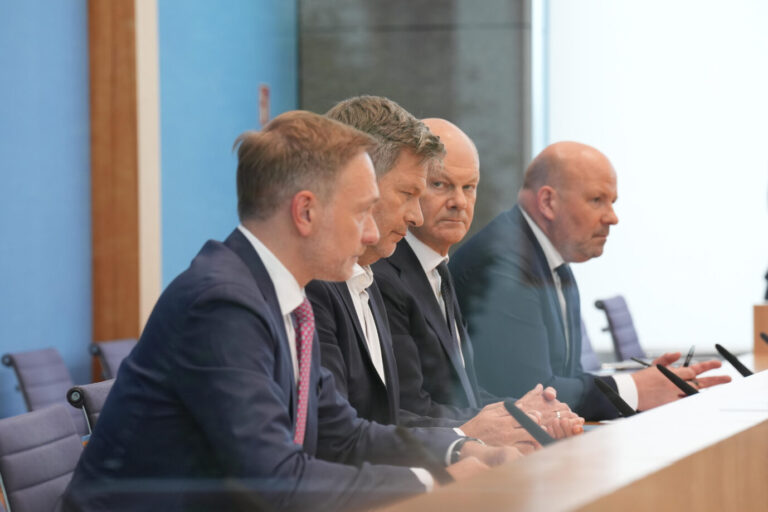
(689, 356)
(638, 360)
(677, 381)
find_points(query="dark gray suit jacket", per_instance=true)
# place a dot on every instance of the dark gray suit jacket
(509, 299)
(203, 411)
(433, 381)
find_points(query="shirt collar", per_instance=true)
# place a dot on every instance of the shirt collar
(362, 278)
(554, 259)
(289, 294)
(428, 257)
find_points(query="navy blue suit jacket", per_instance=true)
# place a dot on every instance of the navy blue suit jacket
(428, 362)
(344, 352)
(207, 402)
(509, 299)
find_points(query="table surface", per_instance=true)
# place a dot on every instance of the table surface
(576, 472)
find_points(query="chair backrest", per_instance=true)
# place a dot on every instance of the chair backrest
(625, 341)
(111, 354)
(90, 399)
(589, 360)
(43, 380)
(38, 453)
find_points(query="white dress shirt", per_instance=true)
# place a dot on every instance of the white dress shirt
(430, 260)
(362, 278)
(290, 296)
(625, 384)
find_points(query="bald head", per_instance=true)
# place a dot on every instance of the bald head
(448, 204)
(460, 151)
(561, 163)
(568, 191)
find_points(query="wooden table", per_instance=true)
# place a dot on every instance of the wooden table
(705, 452)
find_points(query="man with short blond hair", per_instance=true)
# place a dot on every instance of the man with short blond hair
(223, 404)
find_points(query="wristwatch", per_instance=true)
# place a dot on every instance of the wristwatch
(456, 451)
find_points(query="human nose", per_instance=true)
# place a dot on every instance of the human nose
(413, 215)
(370, 231)
(458, 199)
(611, 218)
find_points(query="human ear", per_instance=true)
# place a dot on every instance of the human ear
(546, 202)
(304, 211)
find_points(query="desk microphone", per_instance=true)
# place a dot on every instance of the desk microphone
(618, 402)
(746, 372)
(528, 424)
(764, 336)
(431, 464)
(677, 381)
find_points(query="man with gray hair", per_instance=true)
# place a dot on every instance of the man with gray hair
(354, 331)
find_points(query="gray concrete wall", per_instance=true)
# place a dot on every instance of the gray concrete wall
(466, 61)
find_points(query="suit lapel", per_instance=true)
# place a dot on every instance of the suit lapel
(387, 352)
(346, 299)
(243, 248)
(543, 275)
(414, 278)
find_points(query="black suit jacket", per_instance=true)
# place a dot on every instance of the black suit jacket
(206, 403)
(344, 352)
(509, 299)
(432, 379)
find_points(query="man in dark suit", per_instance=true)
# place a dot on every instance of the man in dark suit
(433, 350)
(223, 404)
(518, 294)
(353, 329)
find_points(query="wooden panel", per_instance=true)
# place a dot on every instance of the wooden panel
(114, 175)
(761, 325)
(706, 452)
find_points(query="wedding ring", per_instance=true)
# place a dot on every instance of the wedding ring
(557, 413)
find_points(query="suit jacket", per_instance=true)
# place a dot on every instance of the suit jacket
(433, 381)
(508, 296)
(205, 406)
(344, 352)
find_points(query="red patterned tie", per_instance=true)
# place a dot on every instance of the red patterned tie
(305, 332)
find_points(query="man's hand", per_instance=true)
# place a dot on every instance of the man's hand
(466, 468)
(653, 389)
(544, 400)
(489, 455)
(495, 426)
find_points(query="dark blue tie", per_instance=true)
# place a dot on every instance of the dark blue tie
(446, 290)
(572, 310)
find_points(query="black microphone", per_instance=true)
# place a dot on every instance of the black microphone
(431, 463)
(764, 336)
(618, 402)
(528, 424)
(677, 381)
(746, 372)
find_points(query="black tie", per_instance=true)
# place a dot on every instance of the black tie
(446, 290)
(572, 309)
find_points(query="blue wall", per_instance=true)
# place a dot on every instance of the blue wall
(45, 252)
(213, 57)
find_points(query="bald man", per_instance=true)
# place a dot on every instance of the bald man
(520, 299)
(431, 345)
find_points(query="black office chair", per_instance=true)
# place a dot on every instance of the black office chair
(625, 341)
(589, 360)
(111, 354)
(90, 399)
(43, 380)
(38, 453)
